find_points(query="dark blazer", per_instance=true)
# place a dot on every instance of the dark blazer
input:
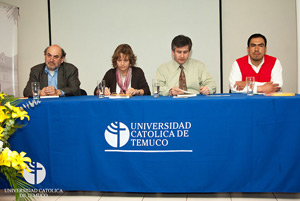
(67, 79)
(138, 80)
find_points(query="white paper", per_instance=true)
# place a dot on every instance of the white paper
(49, 96)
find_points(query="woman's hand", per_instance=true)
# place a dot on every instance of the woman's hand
(106, 92)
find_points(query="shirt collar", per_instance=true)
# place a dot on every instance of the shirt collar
(184, 65)
(48, 71)
(253, 66)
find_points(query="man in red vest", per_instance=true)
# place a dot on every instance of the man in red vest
(266, 69)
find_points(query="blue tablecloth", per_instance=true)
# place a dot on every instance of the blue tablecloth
(232, 143)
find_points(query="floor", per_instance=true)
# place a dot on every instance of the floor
(100, 196)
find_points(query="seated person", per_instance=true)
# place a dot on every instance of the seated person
(266, 69)
(184, 73)
(124, 77)
(56, 77)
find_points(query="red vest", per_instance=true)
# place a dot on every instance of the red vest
(264, 74)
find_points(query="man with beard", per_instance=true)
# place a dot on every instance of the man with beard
(56, 77)
(266, 69)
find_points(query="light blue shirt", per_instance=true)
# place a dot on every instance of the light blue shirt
(52, 79)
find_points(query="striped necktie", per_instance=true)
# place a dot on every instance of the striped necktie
(182, 79)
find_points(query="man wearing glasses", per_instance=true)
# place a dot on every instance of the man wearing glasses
(56, 77)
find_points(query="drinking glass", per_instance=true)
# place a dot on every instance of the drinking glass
(35, 87)
(101, 88)
(155, 88)
(250, 85)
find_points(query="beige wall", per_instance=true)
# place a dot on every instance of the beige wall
(276, 19)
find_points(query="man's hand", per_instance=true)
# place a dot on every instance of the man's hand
(204, 90)
(175, 91)
(43, 92)
(50, 91)
(240, 85)
(268, 87)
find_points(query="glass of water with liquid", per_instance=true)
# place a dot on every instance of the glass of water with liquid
(101, 88)
(250, 85)
(155, 88)
(35, 87)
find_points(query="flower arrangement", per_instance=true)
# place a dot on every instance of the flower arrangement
(12, 163)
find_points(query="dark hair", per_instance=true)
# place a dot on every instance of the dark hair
(181, 41)
(63, 53)
(126, 50)
(257, 35)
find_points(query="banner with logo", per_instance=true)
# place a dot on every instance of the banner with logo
(8, 49)
(145, 144)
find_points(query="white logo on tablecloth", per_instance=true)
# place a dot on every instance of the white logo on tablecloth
(117, 134)
(37, 174)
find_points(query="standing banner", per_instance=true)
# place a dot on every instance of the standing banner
(8, 49)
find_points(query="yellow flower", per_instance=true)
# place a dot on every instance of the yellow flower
(3, 116)
(5, 158)
(19, 113)
(2, 95)
(17, 160)
(1, 131)
(7, 104)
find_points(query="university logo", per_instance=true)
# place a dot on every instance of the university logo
(117, 134)
(37, 174)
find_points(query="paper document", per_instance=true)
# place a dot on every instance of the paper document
(185, 96)
(116, 96)
(186, 92)
(49, 96)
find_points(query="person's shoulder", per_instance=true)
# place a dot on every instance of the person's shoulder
(137, 69)
(270, 57)
(166, 65)
(111, 70)
(242, 58)
(38, 66)
(69, 65)
(194, 63)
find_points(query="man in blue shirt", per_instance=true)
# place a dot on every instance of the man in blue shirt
(56, 77)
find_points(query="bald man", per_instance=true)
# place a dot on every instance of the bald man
(56, 77)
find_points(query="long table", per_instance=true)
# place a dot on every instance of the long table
(220, 143)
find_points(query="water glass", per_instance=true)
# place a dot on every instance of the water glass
(250, 85)
(155, 88)
(35, 87)
(101, 88)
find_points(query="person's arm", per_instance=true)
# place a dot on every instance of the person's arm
(107, 77)
(72, 82)
(276, 74)
(235, 79)
(142, 83)
(163, 85)
(276, 80)
(27, 92)
(206, 82)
